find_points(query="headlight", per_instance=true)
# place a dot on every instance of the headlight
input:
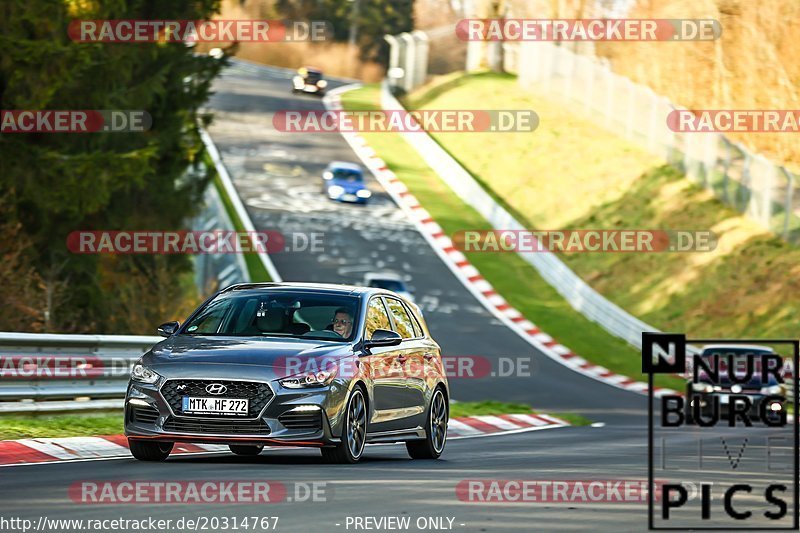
(772, 390)
(335, 190)
(321, 378)
(702, 387)
(327, 175)
(322, 84)
(143, 374)
(364, 193)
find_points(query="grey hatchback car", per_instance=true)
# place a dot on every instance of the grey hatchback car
(327, 366)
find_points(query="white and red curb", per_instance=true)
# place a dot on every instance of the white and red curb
(56, 450)
(468, 274)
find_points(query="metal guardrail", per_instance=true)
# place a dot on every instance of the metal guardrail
(578, 293)
(236, 202)
(41, 366)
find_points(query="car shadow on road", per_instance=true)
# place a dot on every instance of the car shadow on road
(306, 457)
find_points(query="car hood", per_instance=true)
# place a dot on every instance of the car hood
(237, 357)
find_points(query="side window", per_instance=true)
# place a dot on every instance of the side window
(211, 317)
(414, 322)
(402, 322)
(377, 318)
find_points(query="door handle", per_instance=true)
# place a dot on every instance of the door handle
(401, 359)
(428, 356)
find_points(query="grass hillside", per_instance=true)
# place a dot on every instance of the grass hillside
(569, 174)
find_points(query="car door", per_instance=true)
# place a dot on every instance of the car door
(411, 361)
(389, 393)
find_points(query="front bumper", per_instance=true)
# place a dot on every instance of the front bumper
(350, 198)
(291, 417)
(308, 88)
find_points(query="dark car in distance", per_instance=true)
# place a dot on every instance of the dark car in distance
(309, 80)
(327, 366)
(713, 399)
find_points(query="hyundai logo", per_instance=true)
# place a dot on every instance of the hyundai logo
(216, 388)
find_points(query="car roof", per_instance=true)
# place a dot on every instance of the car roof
(753, 347)
(331, 288)
(345, 165)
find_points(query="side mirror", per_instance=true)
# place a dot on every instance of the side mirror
(168, 328)
(383, 337)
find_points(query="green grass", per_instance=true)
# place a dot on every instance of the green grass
(573, 418)
(572, 174)
(26, 427)
(254, 265)
(487, 407)
(510, 275)
(490, 407)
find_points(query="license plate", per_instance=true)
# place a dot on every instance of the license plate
(218, 406)
(349, 197)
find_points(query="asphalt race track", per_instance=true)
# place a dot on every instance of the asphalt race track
(278, 177)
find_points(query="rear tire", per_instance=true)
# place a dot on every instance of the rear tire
(248, 450)
(150, 451)
(354, 432)
(435, 430)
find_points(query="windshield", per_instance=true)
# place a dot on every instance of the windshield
(738, 357)
(260, 313)
(346, 175)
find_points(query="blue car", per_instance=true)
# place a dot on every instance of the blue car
(344, 182)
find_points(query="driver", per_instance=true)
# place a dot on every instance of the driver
(343, 322)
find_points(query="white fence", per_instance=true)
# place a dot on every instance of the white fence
(581, 296)
(747, 181)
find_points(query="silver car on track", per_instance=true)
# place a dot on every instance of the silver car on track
(327, 366)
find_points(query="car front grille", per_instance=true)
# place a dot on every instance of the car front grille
(217, 427)
(258, 393)
(310, 420)
(143, 415)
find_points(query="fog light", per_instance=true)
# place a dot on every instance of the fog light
(137, 401)
(305, 408)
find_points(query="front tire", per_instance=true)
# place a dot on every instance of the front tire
(246, 450)
(150, 451)
(354, 432)
(435, 430)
